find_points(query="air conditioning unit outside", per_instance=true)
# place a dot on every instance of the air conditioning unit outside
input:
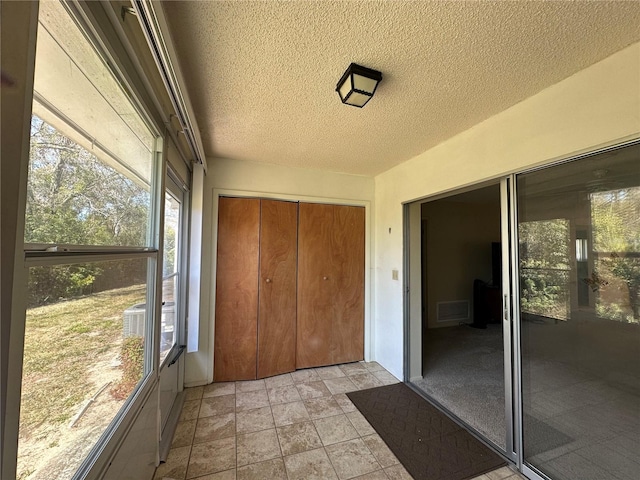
(135, 317)
(134, 320)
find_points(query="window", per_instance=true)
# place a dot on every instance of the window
(83, 357)
(75, 198)
(91, 230)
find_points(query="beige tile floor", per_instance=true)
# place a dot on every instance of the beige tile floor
(297, 426)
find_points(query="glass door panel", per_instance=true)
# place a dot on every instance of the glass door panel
(172, 301)
(579, 300)
(457, 328)
(169, 317)
(170, 274)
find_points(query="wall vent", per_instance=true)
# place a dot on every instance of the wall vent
(457, 310)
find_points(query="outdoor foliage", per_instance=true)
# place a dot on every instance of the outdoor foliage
(628, 270)
(132, 358)
(74, 198)
(544, 254)
(546, 264)
(169, 259)
(50, 284)
(69, 350)
(62, 344)
(616, 239)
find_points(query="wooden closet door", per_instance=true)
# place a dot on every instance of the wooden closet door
(330, 285)
(315, 285)
(235, 345)
(347, 343)
(277, 288)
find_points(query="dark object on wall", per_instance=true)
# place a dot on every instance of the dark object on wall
(487, 307)
(480, 307)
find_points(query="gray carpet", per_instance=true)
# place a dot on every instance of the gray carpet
(464, 371)
(580, 384)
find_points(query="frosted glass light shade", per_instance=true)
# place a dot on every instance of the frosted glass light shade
(357, 85)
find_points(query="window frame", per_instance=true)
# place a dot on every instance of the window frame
(176, 188)
(93, 20)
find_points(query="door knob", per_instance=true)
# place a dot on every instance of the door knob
(325, 278)
(268, 280)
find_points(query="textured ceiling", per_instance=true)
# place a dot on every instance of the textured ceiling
(262, 75)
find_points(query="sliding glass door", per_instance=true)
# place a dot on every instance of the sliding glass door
(568, 314)
(578, 259)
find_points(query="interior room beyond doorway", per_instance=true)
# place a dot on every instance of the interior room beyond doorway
(462, 338)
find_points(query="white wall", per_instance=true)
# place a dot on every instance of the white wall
(459, 237)
(242, 178)
(596, 107)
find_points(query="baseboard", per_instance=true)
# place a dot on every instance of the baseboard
(170, 427)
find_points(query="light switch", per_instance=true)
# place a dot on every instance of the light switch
(394, 274)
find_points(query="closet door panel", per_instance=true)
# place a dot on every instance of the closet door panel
(235, 345)
(316, 284)
(348, 263)
(277, 289)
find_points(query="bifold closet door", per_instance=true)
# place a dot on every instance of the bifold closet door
(277, 289)
(330, 325)
(315, 291)
(348, 261)
(236, 327)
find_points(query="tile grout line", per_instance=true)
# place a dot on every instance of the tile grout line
(186, 470)
(235, 437)
(344, 409)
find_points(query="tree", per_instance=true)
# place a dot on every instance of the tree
(544, 266)
(74, 198)
(628, 270)
(616, 236)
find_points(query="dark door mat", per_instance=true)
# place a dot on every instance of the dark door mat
(429, 444)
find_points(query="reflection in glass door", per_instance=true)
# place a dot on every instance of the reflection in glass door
(579, 306)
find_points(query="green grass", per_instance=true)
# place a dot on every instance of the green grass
(62, 342)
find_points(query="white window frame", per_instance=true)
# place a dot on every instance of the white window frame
(94, 21)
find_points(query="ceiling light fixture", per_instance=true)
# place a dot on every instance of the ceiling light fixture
(357, 85)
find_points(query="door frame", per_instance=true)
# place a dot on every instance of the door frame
(511, 320)
(175, 357)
